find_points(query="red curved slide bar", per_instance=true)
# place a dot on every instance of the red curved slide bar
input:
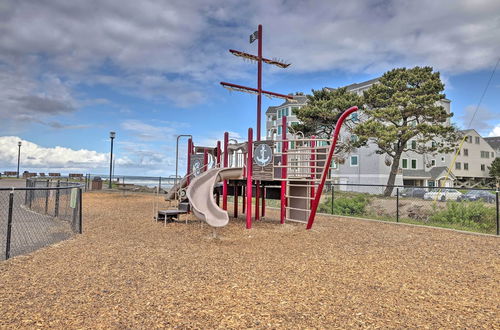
(336, 133)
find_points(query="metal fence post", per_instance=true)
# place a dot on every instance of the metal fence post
(498, 215)
(9, 225)
(33, 185)
(26, 193)
(333, 195)
(56, 207)
(159, 183)
(47, 197)
(397, 204)
(80, 218)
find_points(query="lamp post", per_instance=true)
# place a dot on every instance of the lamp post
(18, 157)
(112, 137)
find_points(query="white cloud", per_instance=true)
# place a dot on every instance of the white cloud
(495, 131)
(482, 121)
(133, 158)
(148, 132)
(35, 157)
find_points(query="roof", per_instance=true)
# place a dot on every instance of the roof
(421, 174)
(433, 174)
(493, 141)
(299, 100)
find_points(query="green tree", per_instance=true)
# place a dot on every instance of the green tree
(323, 108)
(495, 170)
(403, 106)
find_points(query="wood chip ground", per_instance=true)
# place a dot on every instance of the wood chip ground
(128, 272)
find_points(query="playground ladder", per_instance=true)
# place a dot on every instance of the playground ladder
(305, 167)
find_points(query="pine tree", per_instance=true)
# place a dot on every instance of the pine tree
(404, 105)
(323, 108)
(495, 170)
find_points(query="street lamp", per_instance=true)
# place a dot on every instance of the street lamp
(18, 157)
(112, 137)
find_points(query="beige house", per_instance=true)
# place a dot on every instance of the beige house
(471, 165)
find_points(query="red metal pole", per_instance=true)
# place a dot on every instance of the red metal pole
(259, 80)
(225, 164)
(249, 178)
(263, 201)
(205, 160)
(312, 163)
(243, 200)
(324, 174)
(217, 164)
(190, 147)
(218, 154)
(235, 206)
(284, 146)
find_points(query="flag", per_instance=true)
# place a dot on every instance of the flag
(254, 36)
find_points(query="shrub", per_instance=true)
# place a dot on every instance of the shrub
(469, 214)
(354, 205)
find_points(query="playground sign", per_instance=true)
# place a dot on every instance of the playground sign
(196, 164)
(263, 160)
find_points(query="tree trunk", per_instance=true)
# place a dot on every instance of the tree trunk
(392, 175)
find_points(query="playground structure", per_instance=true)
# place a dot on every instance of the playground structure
(293, 170)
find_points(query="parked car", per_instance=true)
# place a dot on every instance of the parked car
(413, 192)
(443, 194)
(478, 195)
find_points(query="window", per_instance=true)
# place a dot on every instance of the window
(485, 154)
(442, 159)
(279, 113)
(404, 163)
(279, 130)
(492, 154)
(354, 117)
(433, 162)
(414, 163)
(354, 160)
(458, 166)
(466, 152)
(334, 165)
(433, 144)
(477, 140)
(466, 166)
(483, 167)
(414, 145)
(431, 183)
(354, 138)
(469, 139)
(292, 110)
(278, 147)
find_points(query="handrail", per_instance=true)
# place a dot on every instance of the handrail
(315, 203)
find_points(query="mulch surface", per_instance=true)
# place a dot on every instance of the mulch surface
(127, 271)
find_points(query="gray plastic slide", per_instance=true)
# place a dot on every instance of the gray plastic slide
(201, 197)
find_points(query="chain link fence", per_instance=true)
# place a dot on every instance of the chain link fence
(45, 212)
(467, 209)
(128, 183)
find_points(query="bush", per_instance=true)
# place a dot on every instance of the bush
(469, 214)
(354, 205)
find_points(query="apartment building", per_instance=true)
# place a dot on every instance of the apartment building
(365, 166)
(494, 142)
(471, 164)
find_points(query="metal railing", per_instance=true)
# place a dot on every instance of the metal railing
(42, 213)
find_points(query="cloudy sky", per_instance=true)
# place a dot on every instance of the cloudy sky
(71, 71)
